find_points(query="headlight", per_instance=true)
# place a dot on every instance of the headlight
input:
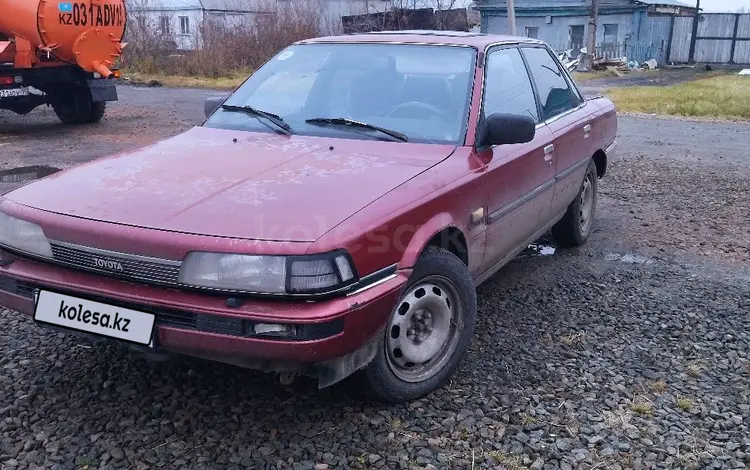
(17, 234)
(268, 274)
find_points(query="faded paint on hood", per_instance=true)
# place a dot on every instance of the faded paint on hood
(263, 186)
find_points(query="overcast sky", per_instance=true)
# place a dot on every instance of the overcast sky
(721, 5)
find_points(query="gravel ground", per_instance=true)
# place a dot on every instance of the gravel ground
(631, 352)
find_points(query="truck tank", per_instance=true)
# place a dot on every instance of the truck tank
(87, 33)
(62, 54)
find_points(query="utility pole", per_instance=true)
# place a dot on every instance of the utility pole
(512, 16)
(694, 39)
(588, 57)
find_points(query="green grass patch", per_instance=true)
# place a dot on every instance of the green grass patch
(725, 97)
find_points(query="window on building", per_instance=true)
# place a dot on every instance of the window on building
(555, 95)
(184, 25)
(610, 35)
(164, 24)
(532, 32)
(507, 85)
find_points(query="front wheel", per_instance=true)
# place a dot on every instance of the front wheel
(428, 332)
(575, 226)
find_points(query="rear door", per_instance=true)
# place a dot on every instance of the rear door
(563, 111)
(520, 177)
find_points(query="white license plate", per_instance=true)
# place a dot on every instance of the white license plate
(94, 317)
(13, 92)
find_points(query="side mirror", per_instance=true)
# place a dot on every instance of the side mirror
(211, 103)
(503, 129)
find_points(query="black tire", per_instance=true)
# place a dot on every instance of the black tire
(571, 230)
(74, 107)
(381, 377)
(97, 111)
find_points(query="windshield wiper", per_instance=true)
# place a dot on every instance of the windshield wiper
(257, 112)
(353, 123)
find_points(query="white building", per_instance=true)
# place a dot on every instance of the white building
(181, 20)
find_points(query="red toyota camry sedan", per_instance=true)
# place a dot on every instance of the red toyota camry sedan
(333, 215)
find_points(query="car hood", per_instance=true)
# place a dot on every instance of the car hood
(234, 184)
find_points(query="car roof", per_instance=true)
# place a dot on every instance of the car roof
(456, 38)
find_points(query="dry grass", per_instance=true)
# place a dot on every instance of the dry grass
(586, 76)
(658, 386)
(642, 407)
(510, 462)
(685, 404)
(528, 419)
(573, 339)
(694, 370)
(212, 50)
(726, 96)
(181, 81)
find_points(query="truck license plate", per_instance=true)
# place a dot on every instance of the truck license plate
(14, 92)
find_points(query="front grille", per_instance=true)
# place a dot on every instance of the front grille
(132, 268)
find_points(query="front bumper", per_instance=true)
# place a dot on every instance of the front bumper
(203, 325)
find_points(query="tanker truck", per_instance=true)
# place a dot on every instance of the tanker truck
(62, 54)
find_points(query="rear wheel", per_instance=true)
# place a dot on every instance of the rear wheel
(97, 111)
(73, 106)
(575, 227)
(428, 332)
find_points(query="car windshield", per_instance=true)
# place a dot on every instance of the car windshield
(418, 93)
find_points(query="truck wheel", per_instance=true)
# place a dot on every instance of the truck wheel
(574, 228)
(75, 107)
(97, 111)
(428, 332)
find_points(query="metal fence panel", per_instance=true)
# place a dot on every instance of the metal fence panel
(742, 52)
(681, 37)
(716, 25)
(743, 27)
(715, 51)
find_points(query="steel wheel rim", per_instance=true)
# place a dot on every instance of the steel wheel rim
(587, 204)
(424, 330)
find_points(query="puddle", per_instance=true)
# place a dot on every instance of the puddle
(628, 258)
(26, 173)
(538, 249)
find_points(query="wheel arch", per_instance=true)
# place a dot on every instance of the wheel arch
(600, 160)
(440, 231)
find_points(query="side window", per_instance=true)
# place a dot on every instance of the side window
(555, 94)
(507, 86)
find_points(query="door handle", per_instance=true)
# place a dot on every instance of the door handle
(548, 153)
(587, 128)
